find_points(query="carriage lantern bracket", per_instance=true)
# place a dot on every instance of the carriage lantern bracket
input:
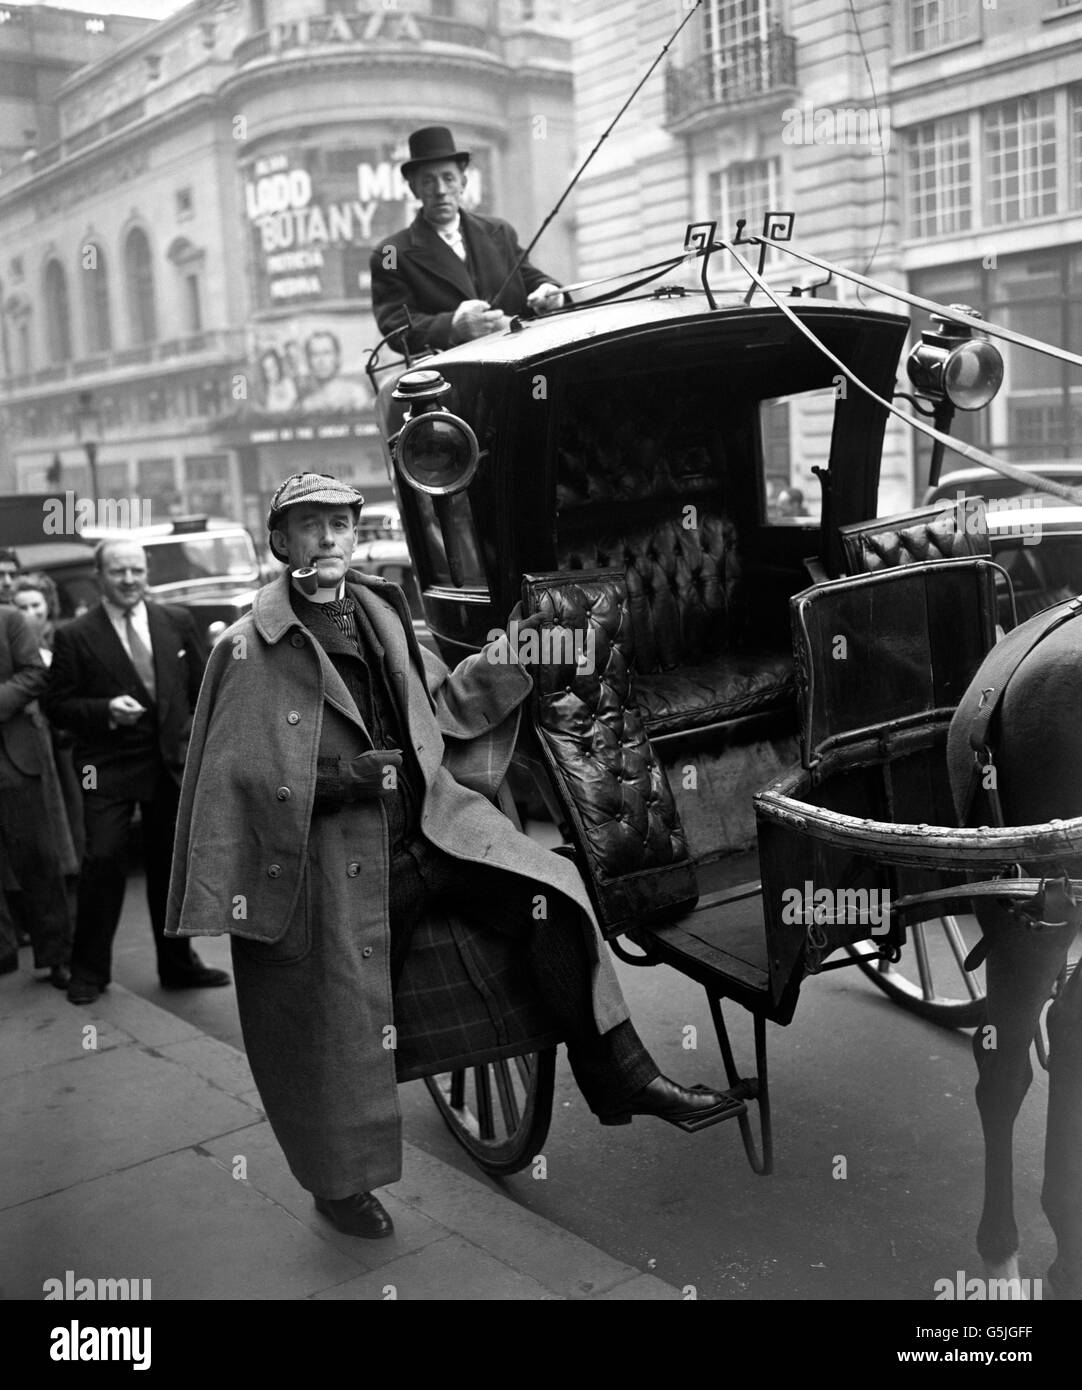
(436, 453)
(955, 370)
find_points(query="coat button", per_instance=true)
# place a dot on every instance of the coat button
(354, 869)
(274, 871)
(293, 717)
(366, 952)
(296, 640)
(283, 793)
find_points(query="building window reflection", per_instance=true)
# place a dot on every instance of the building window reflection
(99, 327)
(57, 313)
(139, 273)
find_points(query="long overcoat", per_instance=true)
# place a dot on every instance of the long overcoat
(306, 898)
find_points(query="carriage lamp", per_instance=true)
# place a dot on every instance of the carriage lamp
(436, 452)
(955, 370)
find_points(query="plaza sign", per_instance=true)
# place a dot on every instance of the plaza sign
(384, 24)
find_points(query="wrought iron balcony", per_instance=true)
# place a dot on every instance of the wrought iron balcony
(740, 75)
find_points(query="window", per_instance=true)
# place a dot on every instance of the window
(192, 303)
(1074, 101)
(57, 313)
(795, 432)
(727, 23)
(933, 23)
(139, 275)
(749, 190)
(208, 488)
(443, 9)
(1020, 160)
(99, 327)
(939, 178)
(736, 37)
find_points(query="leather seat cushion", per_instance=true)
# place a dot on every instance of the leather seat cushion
(724, 687)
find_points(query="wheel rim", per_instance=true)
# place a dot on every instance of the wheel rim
(499, 1111)
(931, 978)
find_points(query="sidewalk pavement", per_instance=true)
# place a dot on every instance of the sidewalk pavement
(134, 1146)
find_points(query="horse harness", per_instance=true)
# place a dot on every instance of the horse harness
(984, 731)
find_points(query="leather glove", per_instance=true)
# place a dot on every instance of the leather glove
(368, 775)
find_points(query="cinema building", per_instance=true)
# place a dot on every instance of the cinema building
(184, 274)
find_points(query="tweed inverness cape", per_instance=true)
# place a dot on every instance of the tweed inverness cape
(247, 842)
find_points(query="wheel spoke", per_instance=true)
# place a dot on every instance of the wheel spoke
(525, 1069)
(483, 1096)
(924, 966)
(505, 1090)
(458, 1089)
(958, 946)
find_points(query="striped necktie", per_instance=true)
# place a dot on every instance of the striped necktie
(141, 658)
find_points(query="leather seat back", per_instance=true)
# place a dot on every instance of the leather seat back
(682, 576)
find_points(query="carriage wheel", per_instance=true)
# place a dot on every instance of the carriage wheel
(930, 980)
(499, 1112)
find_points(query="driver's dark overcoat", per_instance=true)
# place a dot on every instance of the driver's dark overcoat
(306, 897)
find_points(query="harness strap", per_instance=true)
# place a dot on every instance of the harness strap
(1011, 656)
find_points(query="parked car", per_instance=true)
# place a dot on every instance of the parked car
(68, 560)
(206, 564)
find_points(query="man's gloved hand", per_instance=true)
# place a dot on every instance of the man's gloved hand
(474, 318)
(545, 298)
(371, 774)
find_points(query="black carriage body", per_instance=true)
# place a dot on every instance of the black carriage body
(598, 422)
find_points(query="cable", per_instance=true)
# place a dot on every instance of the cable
(882, 149)
(582, 167)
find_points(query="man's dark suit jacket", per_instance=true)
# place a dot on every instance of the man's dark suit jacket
(23, 677)
(431, 282)
(90, 668)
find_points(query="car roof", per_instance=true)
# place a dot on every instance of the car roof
(162, 531)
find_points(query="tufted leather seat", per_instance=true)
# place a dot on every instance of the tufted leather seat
(608, 776)
(947, 531)
(686, 607)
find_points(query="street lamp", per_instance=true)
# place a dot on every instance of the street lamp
(954, 369)
(88, 433)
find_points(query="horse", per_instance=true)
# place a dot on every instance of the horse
(1027, 693)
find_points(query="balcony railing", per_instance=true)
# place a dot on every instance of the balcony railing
(728, 77)
(323, 31)
(223, 343)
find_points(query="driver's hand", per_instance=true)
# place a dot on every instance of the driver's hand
(545, 298)
(474, 318)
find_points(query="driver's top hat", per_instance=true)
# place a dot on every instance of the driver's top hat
(432, 142)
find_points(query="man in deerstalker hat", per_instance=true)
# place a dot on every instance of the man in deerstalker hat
(339, 784)
(448, 266)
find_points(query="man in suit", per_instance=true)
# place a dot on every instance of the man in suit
(125, 678)
(28, 855)
(447, 268)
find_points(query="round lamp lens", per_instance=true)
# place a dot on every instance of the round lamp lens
(437, 453)
(972, 374)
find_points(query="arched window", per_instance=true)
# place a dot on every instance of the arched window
(139, 274)
(99, 324)
(57, 313)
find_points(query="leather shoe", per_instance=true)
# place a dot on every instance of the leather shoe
(59, 976)
(82, 992)
(359, 1215)
(202, 977)
(688, 1108)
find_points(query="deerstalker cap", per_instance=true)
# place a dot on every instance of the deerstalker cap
(317, 489)
(429, 143)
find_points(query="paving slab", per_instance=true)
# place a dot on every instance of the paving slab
(561, 1261)
(452, 1270)
(268, 1173)
(181, 1221)
(644, 1288)
(217, 1063)
(38, 1027)
(104, 1111)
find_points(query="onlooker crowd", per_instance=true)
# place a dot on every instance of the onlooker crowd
(94, 720)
